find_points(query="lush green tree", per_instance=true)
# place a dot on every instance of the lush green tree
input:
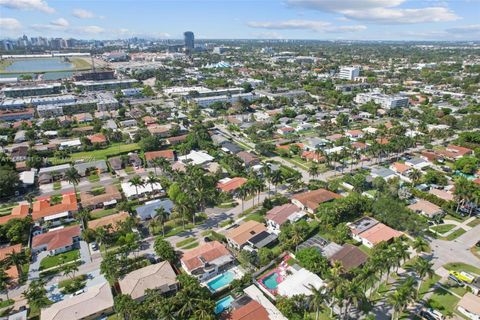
(312, 259)
(73, 177)
(467, 164)
(164, 250)
(36, 294)
(9, 181)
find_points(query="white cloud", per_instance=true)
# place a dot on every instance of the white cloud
(60, 22)
(83, 14)
(90, 30)
(268, 35)
(379, 11)
(40, 5)
(10, 24)
(318, 26)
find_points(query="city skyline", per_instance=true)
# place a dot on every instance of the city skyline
(287, 19)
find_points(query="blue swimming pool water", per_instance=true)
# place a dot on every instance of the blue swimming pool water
(221, 281)
(270, 281)
(223, 304)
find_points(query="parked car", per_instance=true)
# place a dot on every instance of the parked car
(457, 281)
(93, 246)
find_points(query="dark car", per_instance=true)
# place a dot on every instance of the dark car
(478, 244)
(207, 239)
(426, 315)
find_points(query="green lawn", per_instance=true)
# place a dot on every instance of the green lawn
(57, 185)
(454, 235)
(427, 285)
(93, 178)
(185, 242)
(443, 301)
(102, 154)
(191, 246)
(102, 213)
(129, 170)
(459, 266)
(53, 261)
(256, 217)
(365, 249)
(442, 228)
(67, 282)
(474, 223)
(6, 303)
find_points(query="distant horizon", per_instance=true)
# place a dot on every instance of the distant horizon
(370, 20)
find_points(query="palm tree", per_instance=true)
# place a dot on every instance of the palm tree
(4, 281)
(136, 181)
(152, 180)
(277, 178)
(29, 197)
(243, 194)
(423, 268)
(17, 259)
(69, 270)
(73, 177)
(313, 170)
(316, 300)
(397, 300)
(415, 174)
(420, 245)
(461, 191)
(162, 216)
(83, 216)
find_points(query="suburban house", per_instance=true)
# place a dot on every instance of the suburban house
(207, 260)
(97, 167)
(442, 194)
(312, 156)
(354, 134)
(148, 210)
(426, 208)
(108, 198)
(231, 184)
(18, 212)
(453, 152)
(176, 140)
(252, 310)
(43, 210)
(97, 138)
(248, 158)
(160, 277)
(110, 221)
(57, 241)
(116, 163)
(350, 257)
(417, 163)
(239, 236)
(11, 271)
(469, 305)
(166, 154)
(230, 147)
(309, 201)
(196, 158)
(285, 130)
(132, 192)
(277, 216)
(371, 232)
(384, 173)
(325, 247)
(95, 303)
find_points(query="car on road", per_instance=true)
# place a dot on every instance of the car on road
(93, 246)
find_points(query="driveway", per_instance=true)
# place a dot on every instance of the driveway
(84, 252)
(34, 269)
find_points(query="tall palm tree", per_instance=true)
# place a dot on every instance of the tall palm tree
(162, 216)
(73, 177)
(420, 245)
(277, 178)
(5, 280)
(423, 268)
(243, 194)
(415, 175)
(29, 197)
(316, 300)
(17, 259)
(313, 170)
(152, 180)
(83, 216)
(136, 181)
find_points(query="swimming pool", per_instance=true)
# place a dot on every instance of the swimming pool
(270, 281)
(223, 304)
(221, 281)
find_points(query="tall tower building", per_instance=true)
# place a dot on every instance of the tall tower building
(189, 39)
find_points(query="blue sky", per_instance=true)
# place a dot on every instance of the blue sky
(259, 19)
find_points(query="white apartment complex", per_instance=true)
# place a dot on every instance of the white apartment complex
(206, 101)
(385, 101)
(349, 73)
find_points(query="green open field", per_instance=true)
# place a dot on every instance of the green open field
(102, 154)
(53, 261)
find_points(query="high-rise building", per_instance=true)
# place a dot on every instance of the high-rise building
(189, 39)
(349, 73)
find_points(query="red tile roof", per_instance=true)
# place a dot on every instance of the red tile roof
(251, 311)
(379, 233)
(312, 199)
(18, 212)
(42, 208)
(4, 252)
(167, 154)
(280, 214)
(207, 252)
(312, 155)
(97, 138)
(57, 239)
(232, 184)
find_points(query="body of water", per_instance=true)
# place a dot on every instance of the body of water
(46, 68)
